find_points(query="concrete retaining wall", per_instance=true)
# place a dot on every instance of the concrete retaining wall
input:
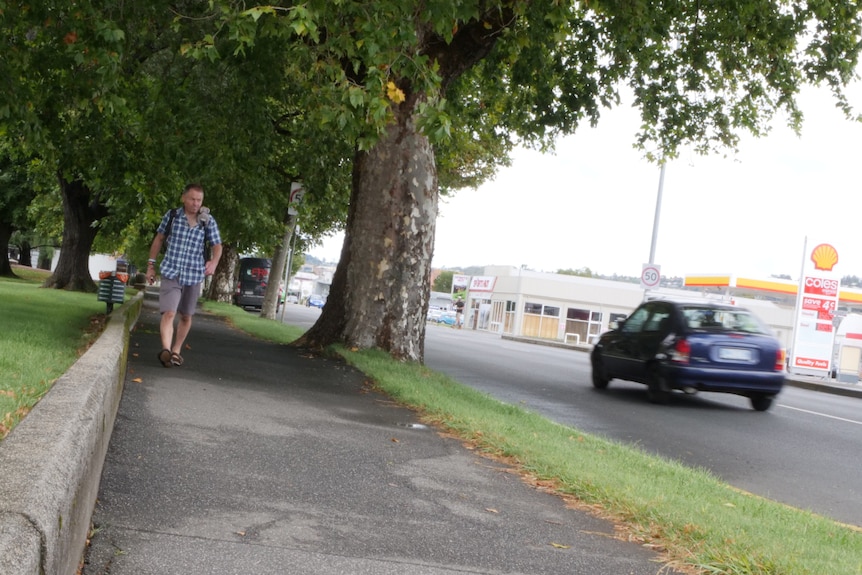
(51, 463)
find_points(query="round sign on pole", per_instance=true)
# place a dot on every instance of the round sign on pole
(296, 193)
(650, 276)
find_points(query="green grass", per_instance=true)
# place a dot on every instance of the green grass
(41, 334)
(253, 324)
(703, 525)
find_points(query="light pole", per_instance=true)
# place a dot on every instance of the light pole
(657, 215)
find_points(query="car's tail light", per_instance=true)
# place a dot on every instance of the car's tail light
(681, 351)
(780, 360)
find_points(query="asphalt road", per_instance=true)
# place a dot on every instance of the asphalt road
(803, 452)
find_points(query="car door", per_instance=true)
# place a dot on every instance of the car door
(619, 348)
(637, 342)
(650, 342)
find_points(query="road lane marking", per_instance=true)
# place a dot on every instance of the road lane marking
(844, 419)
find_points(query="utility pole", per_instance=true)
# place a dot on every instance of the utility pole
(657, 215)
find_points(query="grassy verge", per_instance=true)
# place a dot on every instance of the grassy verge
(42, 332)
(703, 525)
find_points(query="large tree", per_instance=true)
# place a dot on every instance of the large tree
(103, 97)
(390, 73)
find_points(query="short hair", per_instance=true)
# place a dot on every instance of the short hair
(193, 186)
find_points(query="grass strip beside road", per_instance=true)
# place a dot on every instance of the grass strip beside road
(42, 333)
(702, 524)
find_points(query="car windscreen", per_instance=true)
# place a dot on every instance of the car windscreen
(702, 318)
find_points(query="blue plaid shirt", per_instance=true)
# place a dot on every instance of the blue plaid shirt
(184, 257)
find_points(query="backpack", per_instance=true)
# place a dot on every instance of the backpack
(168, 230)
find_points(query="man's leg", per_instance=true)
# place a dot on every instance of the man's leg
(166, 328)
(186, 308)
(170, 293)
(183, 328)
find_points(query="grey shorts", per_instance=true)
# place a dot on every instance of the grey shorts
(174, 297)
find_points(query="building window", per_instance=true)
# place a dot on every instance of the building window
(581, 324)
(550, 311)
(616, 317)
(541, 321)
(534, 308)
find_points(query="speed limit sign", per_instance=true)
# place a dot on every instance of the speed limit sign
(650, 276)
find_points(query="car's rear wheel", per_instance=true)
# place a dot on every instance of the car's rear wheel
(658, 390)
(761, 402)
(600, 378)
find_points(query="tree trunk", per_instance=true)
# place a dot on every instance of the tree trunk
(223, 284)
(81, 209)
(379, 294)
(276, 272)
(26, 258)
(5, 266)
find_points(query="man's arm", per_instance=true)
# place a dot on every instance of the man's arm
(212, 264)
(155, 248)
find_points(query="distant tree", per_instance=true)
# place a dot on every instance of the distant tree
(443, 282)
(584, 272)
(781, 276)
(849, 281)
(473, 271)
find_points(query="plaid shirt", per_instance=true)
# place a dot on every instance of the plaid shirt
(184, 257)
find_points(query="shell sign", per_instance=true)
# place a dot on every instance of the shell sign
(814, 330)
(824, 257)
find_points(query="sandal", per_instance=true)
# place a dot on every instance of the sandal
(176, 359)
(165, 357)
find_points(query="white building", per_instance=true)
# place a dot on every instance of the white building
(576, 310)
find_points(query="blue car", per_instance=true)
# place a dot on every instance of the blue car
(315, 301)
(447, 318)
(692, 346)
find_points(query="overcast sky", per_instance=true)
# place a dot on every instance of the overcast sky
(592, 204)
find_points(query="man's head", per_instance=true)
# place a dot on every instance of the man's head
(193, 198)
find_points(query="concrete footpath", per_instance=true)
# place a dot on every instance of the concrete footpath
(255, 458)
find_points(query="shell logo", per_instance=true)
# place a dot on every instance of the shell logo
(824, 257)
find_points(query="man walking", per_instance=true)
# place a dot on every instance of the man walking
(186, 230)
(459, 312)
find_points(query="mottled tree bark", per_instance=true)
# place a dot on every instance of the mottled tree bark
(380, 290)
(223, 282)
(379, 294)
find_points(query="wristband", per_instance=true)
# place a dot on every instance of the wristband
(151, 261)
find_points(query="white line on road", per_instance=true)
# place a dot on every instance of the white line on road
(821, 414)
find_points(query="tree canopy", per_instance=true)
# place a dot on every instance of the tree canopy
(410, 99)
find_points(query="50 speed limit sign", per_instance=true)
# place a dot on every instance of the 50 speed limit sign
(650, 276)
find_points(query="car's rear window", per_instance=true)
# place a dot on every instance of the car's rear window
(722, 319)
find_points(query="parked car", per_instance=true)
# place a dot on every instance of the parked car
(252, 278)
(447, 318)
(315, 300)
(434, 314)
(692, 346)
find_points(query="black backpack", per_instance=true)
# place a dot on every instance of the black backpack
(168, 230)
